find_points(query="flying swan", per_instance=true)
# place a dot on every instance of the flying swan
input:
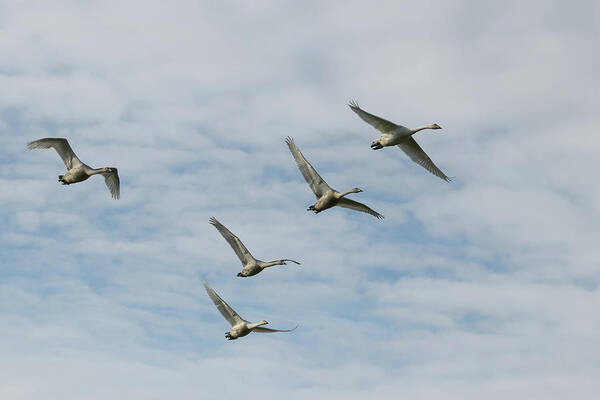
(392, 134)
(251, 266)
(239, 326)
(326, 196)
(77, 171)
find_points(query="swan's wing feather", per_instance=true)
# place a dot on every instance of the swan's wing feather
(355, 205)
(226, 311)
(314, 180)
(382, 125)
(111, 179)
(61, 146)
(236, 244)
(269, 330)
(418, 155)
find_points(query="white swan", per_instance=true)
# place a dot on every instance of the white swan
(392, 134)
(326, 196)
(251, 266)
(77, 171)
(239, 326)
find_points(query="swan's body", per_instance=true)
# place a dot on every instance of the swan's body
(239, 326)
(326, 196)
(398, 135)
(250, 265)
(77, 171)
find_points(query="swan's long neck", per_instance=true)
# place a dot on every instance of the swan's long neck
(421, 128)
(347, 192)
(261, 323)
(94, 171)
(271, 263)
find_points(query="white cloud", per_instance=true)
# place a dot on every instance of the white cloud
(483, 287)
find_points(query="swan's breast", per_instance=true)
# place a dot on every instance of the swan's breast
(240, 330)
(251, 269)
(325, 201)
(394, 137)
(76, 175)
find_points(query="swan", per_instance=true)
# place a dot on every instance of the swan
(251, 266)
(77, 171)
(326, 196)
(392, 134)
(239, 326)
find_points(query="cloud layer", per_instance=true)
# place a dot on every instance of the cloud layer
(485, 287)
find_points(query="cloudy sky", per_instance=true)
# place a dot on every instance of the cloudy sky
(486, 287)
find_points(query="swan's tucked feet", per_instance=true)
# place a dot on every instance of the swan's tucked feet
(376, 145)
(241, 275)
(62, 180)
(312, 208)
(228, 336)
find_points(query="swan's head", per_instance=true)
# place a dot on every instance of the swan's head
(110, 170)
(356, 190)
(263, 322)
(435, 126)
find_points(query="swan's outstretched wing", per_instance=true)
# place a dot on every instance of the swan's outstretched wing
(61, 146)
(230, 315)
(314, 180)
(416, 153)
(113, 183)
(235, 242)
(269, 330)
(355, 205)
(382, 125)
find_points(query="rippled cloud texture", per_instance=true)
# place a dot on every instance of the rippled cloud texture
(486, 287)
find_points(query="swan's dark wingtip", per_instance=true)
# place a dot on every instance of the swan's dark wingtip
(377, 215)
